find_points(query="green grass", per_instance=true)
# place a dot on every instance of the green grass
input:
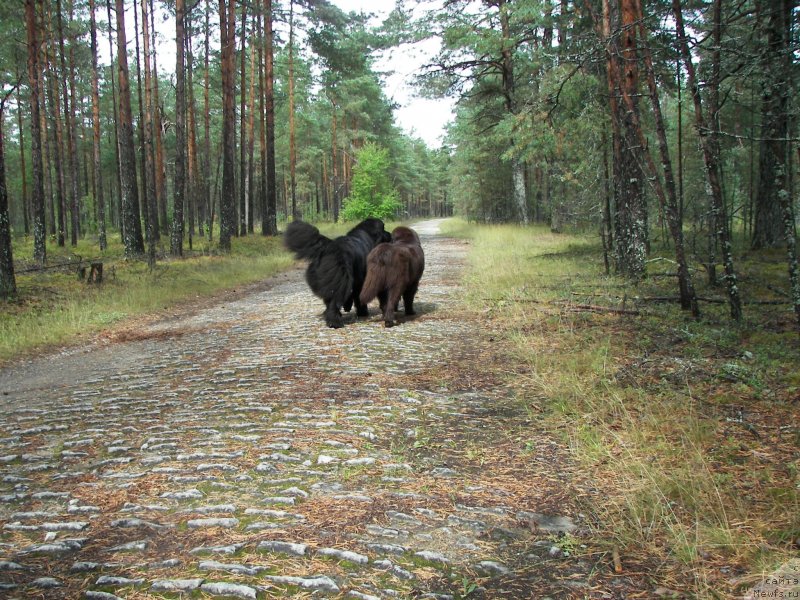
(54, 308)
(651, 405)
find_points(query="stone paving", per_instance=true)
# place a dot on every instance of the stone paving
(247, 451)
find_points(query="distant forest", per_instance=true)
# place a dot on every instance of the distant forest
(670, 123)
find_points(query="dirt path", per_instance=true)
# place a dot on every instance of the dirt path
(246, 450)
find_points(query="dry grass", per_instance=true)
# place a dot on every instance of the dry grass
(688, 429)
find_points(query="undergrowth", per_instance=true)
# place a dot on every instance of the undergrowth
(688, 428)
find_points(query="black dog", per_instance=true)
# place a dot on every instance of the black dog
(394, 270)
(337, 267)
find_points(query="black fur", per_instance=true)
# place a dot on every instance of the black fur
(337, 267)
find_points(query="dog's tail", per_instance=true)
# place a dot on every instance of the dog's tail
(304, 240)
(377, 271)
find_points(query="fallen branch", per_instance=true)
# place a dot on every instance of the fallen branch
(601, 309)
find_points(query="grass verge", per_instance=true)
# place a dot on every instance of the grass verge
(689, 429)
(53, 307)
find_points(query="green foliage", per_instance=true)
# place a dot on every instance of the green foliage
(373, 194)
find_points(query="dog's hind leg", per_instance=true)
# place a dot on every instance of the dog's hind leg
(392, 299)
(408, 299)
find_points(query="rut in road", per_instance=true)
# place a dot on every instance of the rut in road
(246, 450)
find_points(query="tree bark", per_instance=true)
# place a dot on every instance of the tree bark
(37, 182)
(25, 203)
(151, 206)
(69, 125)
(272, 190)
(669, 199)
(96, 164)
(776, 89)
(209, 210)
(709, 143)
(227, 209)
(251, 125)
(292, 141)
(242, 229)
(193, 183)
(334, 165)
(131, 225)
(509, 93)
(57, 153)
(623, 76)
(160, 169)
(8, 283)
(262, 138)
(176, 239)
(118, 214)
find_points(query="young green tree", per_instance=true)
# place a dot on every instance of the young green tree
(372, 193)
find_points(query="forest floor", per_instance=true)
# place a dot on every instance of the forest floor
(239, 448)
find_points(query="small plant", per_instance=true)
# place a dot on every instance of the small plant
(467, 587)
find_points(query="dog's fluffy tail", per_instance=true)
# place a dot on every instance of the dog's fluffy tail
(377, 270)
(304, 240)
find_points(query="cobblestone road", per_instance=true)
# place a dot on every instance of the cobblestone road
(246, 450)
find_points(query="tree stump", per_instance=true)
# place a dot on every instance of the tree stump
(95, 273)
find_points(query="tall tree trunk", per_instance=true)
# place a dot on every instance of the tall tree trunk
(509, 94)
(131, 225)
(334, 165)
(227, 209)
(669, 199)
(37, 182)
(158, 142)
(97, 166)
(292, 142)
(144, 188)
(775, 89)
(151, 207)
(45, 145)
(75, 165)
(251, 125)
(117, 216)
(54, 106)
(209, 208)
(272, 190)
(69, 124)
(243, 128)
(25, 203)
(193, 186)
(8, 282)
(176, 241)
(58, 144)
(622, 73)
(262, 138)
(709, 143)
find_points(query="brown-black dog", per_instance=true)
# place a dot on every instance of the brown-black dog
(337, 267)
(394, 270)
